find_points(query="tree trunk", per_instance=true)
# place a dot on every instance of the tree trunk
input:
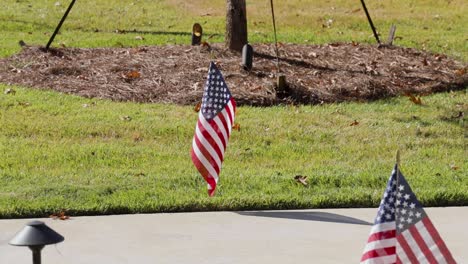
(236, 25)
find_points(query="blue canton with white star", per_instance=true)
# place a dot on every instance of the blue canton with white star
(399, 204)
(216, 94)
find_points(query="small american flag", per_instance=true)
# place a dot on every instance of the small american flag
(213, 128)
(402, 231)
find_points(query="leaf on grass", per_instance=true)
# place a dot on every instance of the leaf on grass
(414, 99)
(197, 107)
(139, 38)
(354, 123)
(10, 91)
(236, 126)
(454, 167)
(60, 216)
(137, 137)
(125, 118)
(459, 115)
(301, 179)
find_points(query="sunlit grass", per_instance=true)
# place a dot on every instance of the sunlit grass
(90, 156)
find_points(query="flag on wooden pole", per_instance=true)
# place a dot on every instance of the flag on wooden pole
(213, 128)
(402, 231)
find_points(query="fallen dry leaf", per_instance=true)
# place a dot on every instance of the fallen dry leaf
(60, 216)
(354, 123)
(301, 179)
(132, 75)
(197, 107)
(414, 99)
(236, 126)
(10, 91)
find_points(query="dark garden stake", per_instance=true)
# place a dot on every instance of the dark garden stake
(60, 24)
(370, 21)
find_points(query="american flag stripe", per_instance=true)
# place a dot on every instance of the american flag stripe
(422, 244)
(208, 152)
(440, 245)
(382, 235)
(205, 135)
(206, 126)
(385, 243)
(211, 147)
(404, 250)
(430, 243)
(222, 129)
(414, 246)
(204, 164)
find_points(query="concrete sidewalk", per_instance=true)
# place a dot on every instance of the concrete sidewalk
(298, 236)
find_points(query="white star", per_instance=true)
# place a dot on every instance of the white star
(405, 204)
(398, 202)
(418, 215)
(398, 195)
(388, 216)
(409, 220)
(411, 213)
(391, 199)
(392, 210)
(401, 187)
(403, 211)
(412, 205)
(400, 226)
(407, 196)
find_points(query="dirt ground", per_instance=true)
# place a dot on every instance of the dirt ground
(176, 74)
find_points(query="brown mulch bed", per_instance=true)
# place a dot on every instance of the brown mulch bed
(176, 74)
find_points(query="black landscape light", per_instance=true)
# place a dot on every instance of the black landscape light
(247, 57)
(36, 235)
(197, 32)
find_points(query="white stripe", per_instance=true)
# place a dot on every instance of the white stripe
(385, 243)
(231, 113)
(388, 226)
(401, 254)
(212, 133)
(204, 161)
(208, 147)
(221, 128)
(430, 242)
(381, 260)
(413, 245)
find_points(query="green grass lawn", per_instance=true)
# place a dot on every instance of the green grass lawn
(89, 156)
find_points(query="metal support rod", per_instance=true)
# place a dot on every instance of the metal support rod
(370, 21)
(276, 41)
(36, 254)
(60, 24)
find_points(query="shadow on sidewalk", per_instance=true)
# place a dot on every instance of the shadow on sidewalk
(310, 216)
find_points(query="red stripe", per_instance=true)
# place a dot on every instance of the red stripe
(438, 240)
(380, 252)
(409, 252)
(210, 140)
(215, 128)
(382, 235)
(207, 154)
(223, 121)
(398, 260)
(422, 245)
(199, 165)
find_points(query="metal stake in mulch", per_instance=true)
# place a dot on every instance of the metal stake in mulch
(370, 22)
(59, 25)
(281, 81)
(36, 235)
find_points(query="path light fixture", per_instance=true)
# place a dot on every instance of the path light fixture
(36, 235)
(197, 32)
(247, 57)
